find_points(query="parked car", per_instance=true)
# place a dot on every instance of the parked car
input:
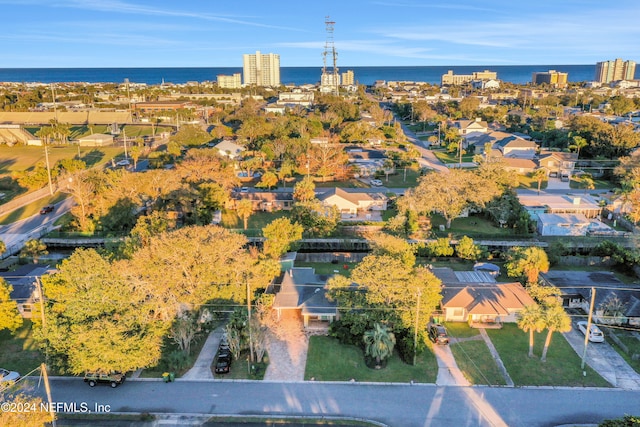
(114, 379)
(595, 334)
(244, 189)
(123, 162)
(7, 378)
(223, 365)
(438, 334)
(47, 209)
(376, 182)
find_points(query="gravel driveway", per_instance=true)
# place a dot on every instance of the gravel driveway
(287, 347)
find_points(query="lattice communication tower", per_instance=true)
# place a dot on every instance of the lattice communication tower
(330, 50)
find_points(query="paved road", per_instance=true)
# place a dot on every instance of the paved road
(401, 405)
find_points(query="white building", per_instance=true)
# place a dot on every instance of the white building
(230, 82)
(261, 69)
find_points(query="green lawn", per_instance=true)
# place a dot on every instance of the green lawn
(398, 180)
(21, 157)
(470, 226)
(526, 181)
(628, 339)
(328, 268)
(169, 347)
(20, 352)
(447, 158)
(256, 222)
(328, 360)
(600, 184)
(460, 330)
(562, 367)
(476, 363)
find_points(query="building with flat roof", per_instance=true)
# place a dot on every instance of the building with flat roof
(230, 82)
(611, 71)
(551, 77)
(458, 79)
(261, 69)
(348, 78)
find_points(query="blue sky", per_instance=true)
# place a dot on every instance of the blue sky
(211, 33)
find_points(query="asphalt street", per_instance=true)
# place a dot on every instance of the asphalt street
(401, 405)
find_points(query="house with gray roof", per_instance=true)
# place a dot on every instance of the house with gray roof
(304, 291)
(25, 290)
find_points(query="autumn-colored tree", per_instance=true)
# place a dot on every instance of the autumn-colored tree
(34, 249)
(385, 244)
(30, 418)
(316, 218)
(96, 319)
(268, 180)
(449, 193)
(324, 160)
(304, 190)
(10, 317)
(280, 234)
(467, 249)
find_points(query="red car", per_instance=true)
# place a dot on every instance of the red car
(47, 209)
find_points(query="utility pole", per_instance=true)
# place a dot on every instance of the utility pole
(586, 335)
(415, 330)
(43, 369)
(124, 133)
(46, 158)
(249, 319)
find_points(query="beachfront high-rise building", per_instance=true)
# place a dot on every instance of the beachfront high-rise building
(459, 79)
(261, 69)
(230, 82)
(348, 78)
(551, 77)
(611, 71)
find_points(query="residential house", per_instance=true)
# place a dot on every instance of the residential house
(519, 165)
(576, 288)
(351, 203)
(558, 164)
(550, 224)
(560, 204)
(468, 128)
(229, 148)
(266, 201)
(504, 143)
(304, 292)
(475, 297)
(25, 289)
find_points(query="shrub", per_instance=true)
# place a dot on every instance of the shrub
(441, 247)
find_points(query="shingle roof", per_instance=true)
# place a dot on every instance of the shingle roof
(487, 298)
(302, 288)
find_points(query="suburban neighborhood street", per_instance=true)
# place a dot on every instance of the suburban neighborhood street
(402, 405)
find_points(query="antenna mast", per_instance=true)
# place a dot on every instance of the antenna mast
(330, 79)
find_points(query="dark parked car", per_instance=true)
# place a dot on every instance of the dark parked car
(46, 210)
(114, 379)
(438, 334)
(223, 364)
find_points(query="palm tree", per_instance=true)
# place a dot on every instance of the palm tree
(555, 319)
(379, 343)
(540, 175)
(531, 320)
(578, 143)
(244, 209)
(587, 182)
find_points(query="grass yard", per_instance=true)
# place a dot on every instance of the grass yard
(168, 350)
(398, 180)
(21, 157)
(448, 158)
(526, 181)
(328, 360)
(460, 330)
(476, 363)
(562, 367)
(20, 352)
(257, 221)
(470, 226)
(600, 184)
(629, 340)
(349, 183)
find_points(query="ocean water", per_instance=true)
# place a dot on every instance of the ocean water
(518, 74)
